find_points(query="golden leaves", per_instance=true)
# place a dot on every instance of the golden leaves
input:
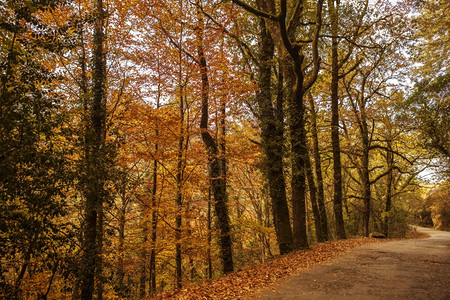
(245, 284)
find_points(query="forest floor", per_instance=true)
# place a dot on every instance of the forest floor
(257, 281)
(403, 269)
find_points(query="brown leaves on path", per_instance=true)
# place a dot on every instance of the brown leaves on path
(245, 283)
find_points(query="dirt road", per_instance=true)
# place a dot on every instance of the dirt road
(407, 269)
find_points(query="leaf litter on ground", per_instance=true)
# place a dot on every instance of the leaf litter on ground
(245, 284)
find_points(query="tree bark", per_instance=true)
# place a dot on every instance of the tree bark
(154, 222)
(337, 169)
(218, 184)
(95, 163)
(389, 184)
(99, 267)
(363, 169)
(297, 135)
(209, 220)
(121, 258)
(318, 171)
(366, 194)
(272, 144)
(284, 29)
(152, 267)
(179, 196)
(313, 199)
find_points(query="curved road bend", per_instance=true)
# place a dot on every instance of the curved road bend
(407, 269)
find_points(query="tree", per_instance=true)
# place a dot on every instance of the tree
(270, 113)
(368, 83)
(333, 8)
(95, 164)
(322, 213)
(35, 171)
(106, 188)
(432, 38)
(272, 141)
(438, 199)
(283, 27)
(216, 172)
(338, 64)
(430, 104)
(429, 101)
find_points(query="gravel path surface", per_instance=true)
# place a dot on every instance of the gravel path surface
(406, 269)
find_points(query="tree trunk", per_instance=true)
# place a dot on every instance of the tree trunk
(318, 169)
(337, 169)
(152, 266)
(272, 144)
(94, 163)
(296, 109)
(99, 270)
(389, 181)
(313, 199)
(218, 184)
(121, 254)
(144, 253)
(364, 171)
(210, 271)
(296, 124)
(284, 29)
(179, 197)
(365, 181)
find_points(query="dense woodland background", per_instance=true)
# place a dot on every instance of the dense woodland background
(148, 145)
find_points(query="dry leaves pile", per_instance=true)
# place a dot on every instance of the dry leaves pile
(242, 284)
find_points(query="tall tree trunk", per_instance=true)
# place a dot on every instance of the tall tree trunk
(272, 144)
(389, 182)
(297, 134)
(154, 222)
(296, 110)
(95, 163)
(318, 171)
(99, 270)
(209, 220)
(313, 199)
(144, 253)
(218, 184)
(152, 267)
(337, 169)
(364, 170)
(84, 100)
(121, 254)
(179, 196)
(223, 129)
(365, 181)
(284, 29)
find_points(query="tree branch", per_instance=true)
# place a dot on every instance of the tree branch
(255, 11)
(384, 174)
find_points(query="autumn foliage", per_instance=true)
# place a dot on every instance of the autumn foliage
(149, 147)
(245, 284)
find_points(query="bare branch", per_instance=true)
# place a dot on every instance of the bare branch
(255, 11)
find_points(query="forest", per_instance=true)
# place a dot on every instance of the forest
(147, 146)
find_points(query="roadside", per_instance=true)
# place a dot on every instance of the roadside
(246, 283)
(402, 269)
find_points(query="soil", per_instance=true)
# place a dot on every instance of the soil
(405, 269)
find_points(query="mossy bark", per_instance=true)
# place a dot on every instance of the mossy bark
(95, 165)
(272, 142)
(334, 87)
